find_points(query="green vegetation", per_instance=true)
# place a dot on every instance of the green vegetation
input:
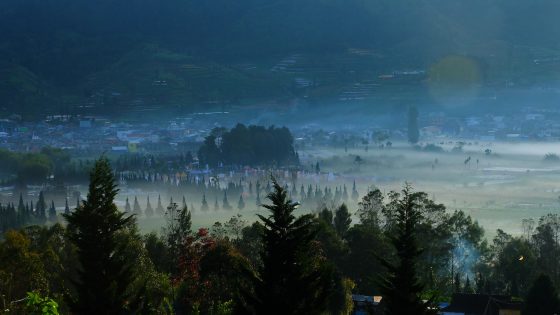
(251, 145)
(174, 54)
(283, 263)
(105, 278)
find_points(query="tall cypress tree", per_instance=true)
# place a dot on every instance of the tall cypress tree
(41, 208)
(413, 132)
(66, 207)
(136, 209)
(103, 277)
(225, 202)
(159, 209)
(52, 212)
(401, 288)
(149, 212)
(240, 203)
(293, 280)
(342, 220)
(204, 206)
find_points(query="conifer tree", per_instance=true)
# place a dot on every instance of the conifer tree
(240, 203)
(149, 212)
(355, 194)
(159, 209)
(293, 280)
(136, 209)
(103, 285)
(216, 205)
(66, 207)
(41, 208)
(258, 199)
(401, 288)
(342, 220)
(225, 202)
(413, 132)
(204, 206)
(52, 212)
(127, 207)
(23, 217)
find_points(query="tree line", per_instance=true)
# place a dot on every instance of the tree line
(284, 263)
(252, 145)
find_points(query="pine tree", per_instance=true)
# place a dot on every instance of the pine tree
(204, 206)
(52, 212)
(342, 220)
(216, 205)
(41, 208)
(127, 207)
(413, 132)
(66, 207)
(401, 288)
(159, 209)
(258, 199)
(21, 212)
(149, 212)
(293, 281)
(104, 279)
(225, 202)
(240, 203)
(345, 194)
(355, 194)
(136, 209)
(184, 205)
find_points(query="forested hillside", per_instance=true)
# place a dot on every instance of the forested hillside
(69, 53)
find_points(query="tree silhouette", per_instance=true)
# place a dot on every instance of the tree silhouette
(293, 281)
(413, 132)
(103, 285)
(401, 288)
(542, 298)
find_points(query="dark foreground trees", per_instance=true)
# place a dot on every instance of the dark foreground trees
(542, 298)
(104, 282)
(293, 279)
(401, 288)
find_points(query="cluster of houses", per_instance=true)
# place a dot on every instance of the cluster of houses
(528, 124)
(90, 134)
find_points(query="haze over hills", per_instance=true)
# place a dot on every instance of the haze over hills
(64, 56)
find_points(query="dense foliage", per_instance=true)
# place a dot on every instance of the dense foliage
(401, 245)
(87, 47)
(251, 145)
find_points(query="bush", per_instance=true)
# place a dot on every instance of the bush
(551, 157)
(432, 148)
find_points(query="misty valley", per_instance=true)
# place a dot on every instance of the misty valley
(280, 157)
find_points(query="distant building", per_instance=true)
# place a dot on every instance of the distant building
(482, 304)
